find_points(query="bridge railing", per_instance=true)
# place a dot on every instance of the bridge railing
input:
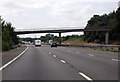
(41, 29)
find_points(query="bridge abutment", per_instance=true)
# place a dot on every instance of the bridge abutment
(59, 38)
(107, 38)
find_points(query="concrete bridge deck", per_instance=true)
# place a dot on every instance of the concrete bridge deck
(106, 30)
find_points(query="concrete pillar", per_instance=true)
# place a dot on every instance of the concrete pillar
(59, 38)
(107, 38)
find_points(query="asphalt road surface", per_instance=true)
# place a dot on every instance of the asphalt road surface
(63, 63)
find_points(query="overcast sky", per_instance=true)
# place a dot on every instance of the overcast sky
(31, 14)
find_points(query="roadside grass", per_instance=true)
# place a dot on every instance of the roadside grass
(80, 41)
(115, 50)
(16, 46)
(107, 49)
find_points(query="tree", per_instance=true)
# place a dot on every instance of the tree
(110, 20)
(115, 34)
(9, 38)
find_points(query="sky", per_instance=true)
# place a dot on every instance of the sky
(49, 14)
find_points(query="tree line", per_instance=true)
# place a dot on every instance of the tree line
(9, 38)
(111, 20)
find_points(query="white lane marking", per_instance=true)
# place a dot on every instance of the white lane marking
(91, 55)
(115, 60)
(85, 76)
(63, 61)
(78, 52)
(49, 52)
(54, 55)
(1, 68)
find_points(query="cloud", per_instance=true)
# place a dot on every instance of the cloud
(53, 13)
(78, 12)
(19, 7)
(34, 4)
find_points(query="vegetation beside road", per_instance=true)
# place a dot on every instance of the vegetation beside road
(9, 38)
(111, 20)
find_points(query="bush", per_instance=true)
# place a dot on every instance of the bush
(19, 45)
(15, 46)
(107, 49)
(115, 51)
(94, 48)
(5, 46)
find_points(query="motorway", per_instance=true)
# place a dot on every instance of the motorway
(63, 63)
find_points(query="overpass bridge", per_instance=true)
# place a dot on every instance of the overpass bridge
(64, 30)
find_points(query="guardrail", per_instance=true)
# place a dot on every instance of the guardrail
(94, 46)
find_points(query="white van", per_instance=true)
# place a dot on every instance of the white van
(50, 41)
(37, 42)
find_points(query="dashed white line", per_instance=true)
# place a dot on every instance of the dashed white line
(54, 55)
(49, 52)
(115, 60)
(63, 61)
(91, 55)
(85, 76)
(78, 52)
(1, 68)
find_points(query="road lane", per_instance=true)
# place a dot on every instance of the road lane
(98, 67)
(37, 64)
(103, 54)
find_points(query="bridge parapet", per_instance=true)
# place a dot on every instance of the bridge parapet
(42, 29)
(74, 29)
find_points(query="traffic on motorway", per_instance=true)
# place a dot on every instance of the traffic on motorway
(62, 63)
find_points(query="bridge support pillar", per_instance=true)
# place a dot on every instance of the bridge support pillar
(59, 38)
(107, 38)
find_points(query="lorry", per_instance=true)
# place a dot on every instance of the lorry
(37, 42)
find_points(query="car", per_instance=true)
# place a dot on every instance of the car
(97, 41)
(54, 44)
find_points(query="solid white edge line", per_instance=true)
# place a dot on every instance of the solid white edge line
(63, 61)
(49, 52)
(85, 76)
(115, 60)
(1, 68)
